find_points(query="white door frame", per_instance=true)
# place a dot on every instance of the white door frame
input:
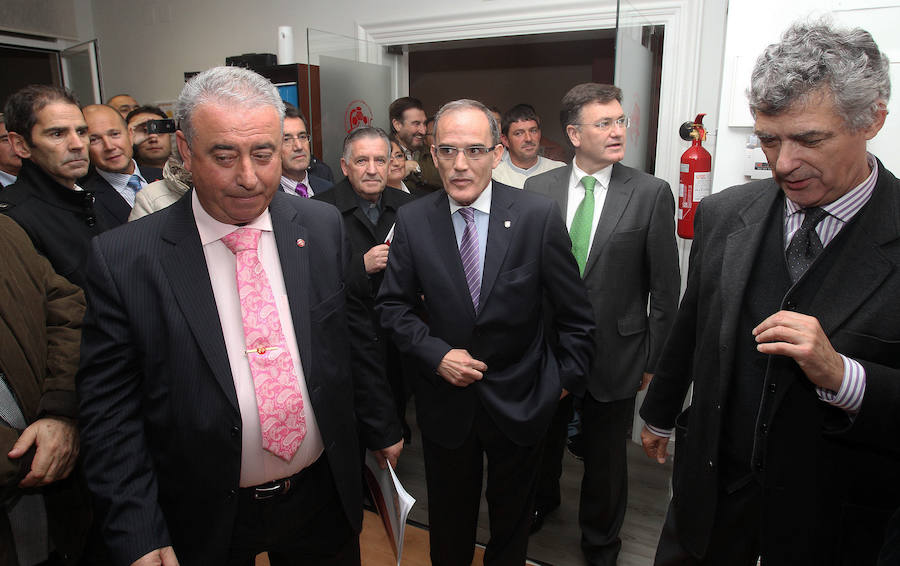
(681, 49)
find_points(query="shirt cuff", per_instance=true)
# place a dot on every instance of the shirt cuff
(664, 432)
(850, 396)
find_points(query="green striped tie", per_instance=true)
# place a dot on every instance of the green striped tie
(580, 232)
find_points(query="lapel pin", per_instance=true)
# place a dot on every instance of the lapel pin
(507, 224)
(301, 242)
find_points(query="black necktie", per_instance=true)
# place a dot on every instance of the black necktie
(805, 245)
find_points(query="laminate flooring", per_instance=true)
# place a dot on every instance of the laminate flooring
(558, 543)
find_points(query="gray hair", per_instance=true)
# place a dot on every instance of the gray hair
(466, 104)
(361, 133)
(811, 56)
(226, 86)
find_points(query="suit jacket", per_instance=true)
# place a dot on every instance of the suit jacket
(633, 259)
(829, 482)
(161, 427)
(528, 259)
(108, 203)
(40, 321)
(318, 184)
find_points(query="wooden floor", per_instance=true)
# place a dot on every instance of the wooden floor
(558, 543)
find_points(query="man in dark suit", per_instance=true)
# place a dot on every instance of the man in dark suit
(221, 399)
(115, 177)
(489, 260)
(369, 209)
(295, 157)
(789, 329)
(49, 134)
(623, 232)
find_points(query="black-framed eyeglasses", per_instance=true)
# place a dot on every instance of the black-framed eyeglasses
(472, 152)
(289, 138)
(607, 123)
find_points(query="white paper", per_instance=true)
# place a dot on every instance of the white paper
(391, 500)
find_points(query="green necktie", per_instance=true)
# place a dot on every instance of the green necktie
(580, 232)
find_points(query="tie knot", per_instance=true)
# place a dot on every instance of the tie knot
(301, 190)
(468, 214)
(242, 239)
(813, 215)
(134, 183)
(589, 181)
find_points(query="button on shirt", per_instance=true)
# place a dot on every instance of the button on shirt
(119, 181)
(576, 195)
(257, 465)
(482, 206)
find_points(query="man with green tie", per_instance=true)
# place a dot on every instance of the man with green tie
(622, 226)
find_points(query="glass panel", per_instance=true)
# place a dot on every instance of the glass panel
(638, 60)
(81, 72)
(355, 86)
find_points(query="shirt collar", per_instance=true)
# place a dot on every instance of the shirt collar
(482, 203)
(517, 169)
(6, 179)
(211, 229)
(290, 185)
(120, 180)
(603, 176)
(847, 206)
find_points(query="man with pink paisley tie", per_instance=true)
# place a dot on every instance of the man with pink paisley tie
(224, 385)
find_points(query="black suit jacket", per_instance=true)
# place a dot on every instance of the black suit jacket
(633, 261)
(108, 203)
(160, 418)
(829, 483)
(318, 184)
(363, 235)
(528, 260)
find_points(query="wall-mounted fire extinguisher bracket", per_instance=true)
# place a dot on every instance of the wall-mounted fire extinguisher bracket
(695, 181)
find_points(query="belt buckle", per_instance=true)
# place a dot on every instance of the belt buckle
(280, 488)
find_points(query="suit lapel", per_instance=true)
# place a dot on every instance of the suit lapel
(741, 247)
(617, 197)
(862, 267)
(502, 224)
(185, 267)
(448, 251)
(288, 229)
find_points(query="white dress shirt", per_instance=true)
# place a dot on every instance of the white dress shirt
(289, 185)
(257, 465)
(119, 181)
(576, 195)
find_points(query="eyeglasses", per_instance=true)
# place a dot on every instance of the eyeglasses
(288, 138)
(473, 152)
(607, 123)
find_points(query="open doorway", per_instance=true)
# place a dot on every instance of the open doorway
(536, 69)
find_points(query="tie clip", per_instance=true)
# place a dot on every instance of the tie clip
(262, 350)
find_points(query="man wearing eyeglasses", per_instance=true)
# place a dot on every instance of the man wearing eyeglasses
(295, 158)
(508, 332)
(622, 226)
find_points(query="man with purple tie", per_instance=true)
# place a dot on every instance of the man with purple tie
(506, 331)
(295, 157)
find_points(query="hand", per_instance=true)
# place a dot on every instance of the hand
(376, 258)
(563, 394)
(389, 454)
(57, 449)
(460, 369)
(164, 556)
(411, 167)
(645, 381)
(800, 337)
(654, 446)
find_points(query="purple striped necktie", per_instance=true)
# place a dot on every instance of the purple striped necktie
(301, 190)
(468, 252)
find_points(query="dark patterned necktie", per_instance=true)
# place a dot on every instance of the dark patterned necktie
(805, 245)
(468, 252)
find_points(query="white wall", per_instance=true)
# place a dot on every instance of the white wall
(752, 25)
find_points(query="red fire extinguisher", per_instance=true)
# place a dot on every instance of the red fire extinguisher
(696, 177)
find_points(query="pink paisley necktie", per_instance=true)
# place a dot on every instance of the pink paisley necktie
(278, 394)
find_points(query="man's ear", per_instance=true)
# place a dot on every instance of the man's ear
(184, 149)
(19, 145)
